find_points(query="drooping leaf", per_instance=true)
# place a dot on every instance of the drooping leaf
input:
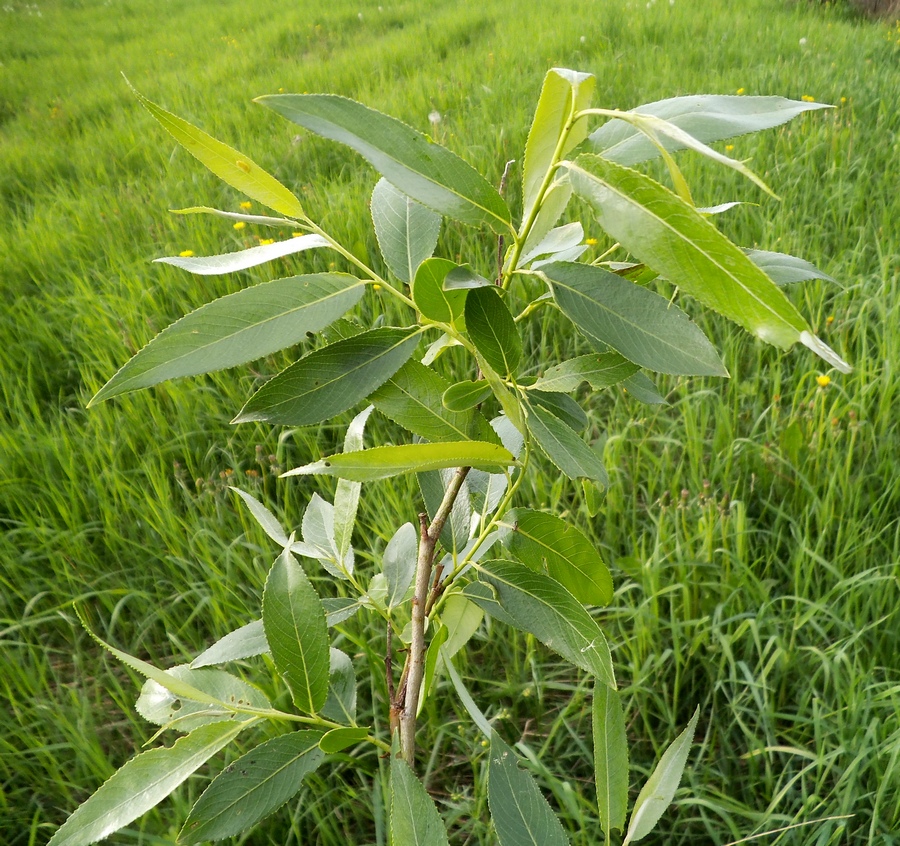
(610, 757)
(419, 168)
(254, 786)
(465, 697)
(557, 240)
(331, 379)
(564, 93)
(261, 219)
(230, 165)
(407, 231)
(438, 637)
(399, 563)
(415, 820)
(294, 622)
(657, 793)
(244, 259)
(493, 330)
(143, 783)
(783, 269)
(599, 370)
(383, 462)
(544, 540)
(340, 705)
(430, 296)
(412, 397)
(509, 403)
(543, 607)
(462, 619)
(346, 495)
(678, 242)
(561, 406)
(521, 815)
(465, 395)
(319, 538)
(238, 328)
(158, 705)
(564, 447)
(640, 324)
(340, 738)
(245, 642)
(641, 387)
(707, 117)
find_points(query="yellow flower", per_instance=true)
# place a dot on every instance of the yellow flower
(591, 242)
(266, 241)
(376, 287)
(246, 205)
(729, 148)
(740, 91)
(807, 99)
(823, 381)
(240, 225)
(843, 101)
(296, 235)
(186, 253)
(829, 320)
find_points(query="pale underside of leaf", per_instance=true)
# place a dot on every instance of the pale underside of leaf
(244, 259)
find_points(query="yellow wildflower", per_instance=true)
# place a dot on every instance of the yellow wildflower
(263, 242)
(186, 253)
(740, 91)
(246, 205)
(376, 287)
(591, 242)
(240, 225)
(843, 101)
(296, 235)
(807, 99)
(729, 148)
(829, 320)
(823, 381)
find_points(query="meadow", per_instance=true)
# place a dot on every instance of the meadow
(752, 524)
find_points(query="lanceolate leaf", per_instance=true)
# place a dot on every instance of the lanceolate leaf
(263, 220)
(544, 540)
(244, 642)
(708, 117)
(238, 328)
(600, 370)
(520, 813)
(493, 330)
(412, 397)
(407, 231)
(225, 162)
(383, 462)
(641, 387)
(643, 326)
(465, 395)
(430, 296)
(346, 495)
(564, 93)
(340, 738)
(783, 269)
(561, 406)
(657, 794)
(399, 563)
(254, 786)
(143, 783)
(681, 244)
(415, 820)
(340, 705)
(610, 757)
(419, 168)
(331, 379)
(294, 621)
(542, 606)
(564, 447)
(244, 259)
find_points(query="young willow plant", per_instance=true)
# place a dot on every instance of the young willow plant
(471, 438)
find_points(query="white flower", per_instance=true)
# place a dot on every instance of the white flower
(434, 117)
(802, 42)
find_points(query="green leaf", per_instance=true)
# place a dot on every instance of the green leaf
(294, 620)
(465, 395)
(143, 783)
(339, 608)
(544, 540)
(340, 738)
(564, 447)
(430, 296)
(407, 231)
(245, 642)
(341, 703)
(678, 242)
(254, 786)
(462, 619)
(493, 330)
(225, 162)
(472, 709)
(346, 495)
(657, 794)
(640, 386)
(238, 328)
(433, 484)
(783, 269)
(707, 117)
(244, 259)
(599, 370)
(419, 168)
(263, 220)
(158, 705)
(555, 201)
(462, 278)
(543, 607)
(610, 757)
(558, 240)
(520, 813)
(564, 93)
(332, 379)
(643, 326)
(384, 462)
(415, 820)
(508, 401)
(561, 406)
(412, 397)
(399, 563)
(431, 661)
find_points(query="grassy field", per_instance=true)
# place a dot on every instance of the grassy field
(753, 525)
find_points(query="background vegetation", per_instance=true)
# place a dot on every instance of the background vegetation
(754, 524)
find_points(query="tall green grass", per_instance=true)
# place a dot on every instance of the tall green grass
(752, 524)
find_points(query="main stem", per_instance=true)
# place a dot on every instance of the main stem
(411, 686)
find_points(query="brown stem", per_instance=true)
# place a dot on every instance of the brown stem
(415, 665)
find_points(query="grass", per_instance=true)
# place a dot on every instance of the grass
(752, 524)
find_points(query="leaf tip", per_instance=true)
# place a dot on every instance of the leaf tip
(821, 349)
